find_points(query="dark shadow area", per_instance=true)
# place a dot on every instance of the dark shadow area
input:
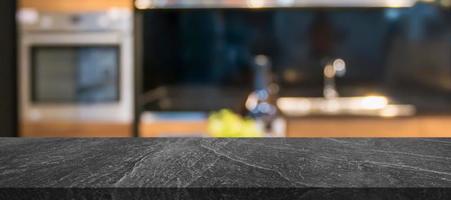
(8, 97)
(227, 193)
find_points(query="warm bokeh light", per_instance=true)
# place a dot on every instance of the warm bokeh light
(378, 106)
(143, 4)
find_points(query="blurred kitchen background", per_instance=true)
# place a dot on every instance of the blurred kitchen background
(226, 68)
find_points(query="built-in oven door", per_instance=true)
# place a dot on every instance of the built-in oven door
(82, 76)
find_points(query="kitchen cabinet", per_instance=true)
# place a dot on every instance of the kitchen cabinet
(419, 126)
(75, 99)
(354, 127)
(173, 129)
(72, 129)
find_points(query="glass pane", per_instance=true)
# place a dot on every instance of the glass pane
(75, 74)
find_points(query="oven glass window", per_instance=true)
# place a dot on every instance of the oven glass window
(75, 74)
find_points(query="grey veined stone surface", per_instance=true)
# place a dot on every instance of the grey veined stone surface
(224, 163)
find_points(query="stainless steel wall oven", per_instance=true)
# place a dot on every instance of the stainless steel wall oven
(76, 67)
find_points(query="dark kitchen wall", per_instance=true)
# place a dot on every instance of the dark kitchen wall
(8, 100)
(202, 58)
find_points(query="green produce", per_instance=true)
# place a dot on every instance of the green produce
(227, 124)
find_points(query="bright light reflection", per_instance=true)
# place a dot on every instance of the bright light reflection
(399, 3)
(143, 4)
(298, 106)
(255, 3)
(389, 112)
(373, 102)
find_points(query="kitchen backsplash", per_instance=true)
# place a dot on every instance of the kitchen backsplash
(199, 53)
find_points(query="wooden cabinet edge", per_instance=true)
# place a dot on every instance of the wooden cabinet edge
(172, 128)
(68, 129)
(420, 126)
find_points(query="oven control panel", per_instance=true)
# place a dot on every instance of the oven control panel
(113, 19)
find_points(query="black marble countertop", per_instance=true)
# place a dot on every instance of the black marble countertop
(200, 168)
(234, 163)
